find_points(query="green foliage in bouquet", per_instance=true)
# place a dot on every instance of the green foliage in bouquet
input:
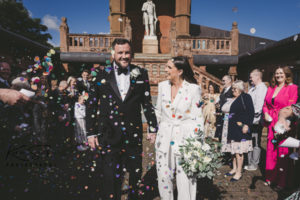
(200, 157)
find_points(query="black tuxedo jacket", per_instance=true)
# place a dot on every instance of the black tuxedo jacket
(119, 123)
(80, 86)
(224, 96)
(219, 121)
(3, 85)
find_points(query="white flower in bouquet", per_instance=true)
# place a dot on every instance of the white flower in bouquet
(200, 157)
(197, 144)
(206, 159)
(205, 147)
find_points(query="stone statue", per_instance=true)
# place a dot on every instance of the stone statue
(149, 17)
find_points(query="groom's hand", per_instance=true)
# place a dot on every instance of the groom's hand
(93, 142)
(151, 137)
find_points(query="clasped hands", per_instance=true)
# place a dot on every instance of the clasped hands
(94, 143)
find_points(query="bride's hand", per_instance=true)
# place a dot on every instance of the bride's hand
(93, 142)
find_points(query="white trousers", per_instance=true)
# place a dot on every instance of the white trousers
(167, 164)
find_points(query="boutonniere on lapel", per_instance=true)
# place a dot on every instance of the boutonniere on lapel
(135, 73)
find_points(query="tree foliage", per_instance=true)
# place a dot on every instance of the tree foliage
(15, 17)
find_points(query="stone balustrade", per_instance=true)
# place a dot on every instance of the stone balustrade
(157, 73)
(90, 42)
(204, 78)
(203, 46)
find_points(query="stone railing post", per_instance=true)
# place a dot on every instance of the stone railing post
(64, 31)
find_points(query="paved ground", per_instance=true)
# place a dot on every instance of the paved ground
(251, 186)
(74, 176)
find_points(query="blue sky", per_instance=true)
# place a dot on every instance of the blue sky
(272, 19)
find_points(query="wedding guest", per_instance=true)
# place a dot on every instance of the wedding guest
(178, 116)
(209, 110)
(53, 85)
(63, 112)
(83, 84)
(225, 94)
(257, 92)
(4, 75)
(238, 123)
(72, 99)
(73, 92)
(280, 94)
(80, 127)
(40, 110)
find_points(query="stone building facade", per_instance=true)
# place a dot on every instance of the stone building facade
(208, 48)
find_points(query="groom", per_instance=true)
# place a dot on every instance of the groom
(118, 131)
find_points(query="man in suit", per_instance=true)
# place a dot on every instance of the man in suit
(4, 75)
(122, 89)
(225, 94)
(83, 84)
(257, 92)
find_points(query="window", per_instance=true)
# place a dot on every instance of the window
(227, 44)
(70, 41)
(96, 42)
(76, 41)
(81, 42)
(203, 44)
(194, 44)
(218, 44)
(162, 69)
(91, 42)
(222, 44)
(154, 69)
(101, 42)
(106, 42)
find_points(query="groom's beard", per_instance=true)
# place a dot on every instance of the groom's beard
(118, 63)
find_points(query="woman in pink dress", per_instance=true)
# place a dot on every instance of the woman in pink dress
(280, 94)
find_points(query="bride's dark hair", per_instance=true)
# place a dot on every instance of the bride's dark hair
(182, 63)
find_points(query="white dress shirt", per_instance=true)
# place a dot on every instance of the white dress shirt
(258, 94)
(123, 81)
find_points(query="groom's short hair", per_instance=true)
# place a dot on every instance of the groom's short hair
(120, 41)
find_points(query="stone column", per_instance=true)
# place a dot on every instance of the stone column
(117, 16)
(234, 33)
(64, 31)
(183, 17)
(232, 72)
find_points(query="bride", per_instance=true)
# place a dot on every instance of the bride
(180, 117)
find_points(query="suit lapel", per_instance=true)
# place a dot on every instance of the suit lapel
(132, 84)
(113, 83)
(180, 94)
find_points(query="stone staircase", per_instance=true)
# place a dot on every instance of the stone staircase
(156, 63)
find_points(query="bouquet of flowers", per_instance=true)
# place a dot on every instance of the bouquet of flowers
(200, 157)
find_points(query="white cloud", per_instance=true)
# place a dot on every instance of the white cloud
(105, 33)
(51, 22)
(84, 32)
(54, 43)
(30, 13)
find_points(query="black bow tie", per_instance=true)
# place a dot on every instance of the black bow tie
(122, 70)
